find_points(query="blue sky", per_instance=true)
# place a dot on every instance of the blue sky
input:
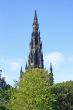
(56, 26)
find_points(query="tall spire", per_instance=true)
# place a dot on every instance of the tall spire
(35, 59)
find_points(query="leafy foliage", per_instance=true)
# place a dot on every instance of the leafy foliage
(63, 93)
(32, 93)
(4, 97)
(51, 79)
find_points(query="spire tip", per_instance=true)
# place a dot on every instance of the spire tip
(35, 13)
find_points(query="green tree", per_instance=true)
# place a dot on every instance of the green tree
(32, 92)
(63, 94)
(4, 97)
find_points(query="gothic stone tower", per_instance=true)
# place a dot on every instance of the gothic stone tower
(35, 59)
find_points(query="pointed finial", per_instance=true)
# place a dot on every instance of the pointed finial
(21, 70)
(39, 35)
(0, 73)
(0, 76)
(51, 70)
(26, 66)
(35, 15)
(39, 32)
(41, 45)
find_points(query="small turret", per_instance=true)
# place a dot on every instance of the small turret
(0, 73)
(39, 36)
(51, 70)
(0, 76)
(40, 45)
(21, 70)
(26, 67)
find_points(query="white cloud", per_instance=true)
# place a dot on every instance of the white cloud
(62, 66)
(14, 65)
(11, 69)
(56, 58)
